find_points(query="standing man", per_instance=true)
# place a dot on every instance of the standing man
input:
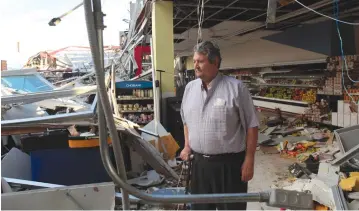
(220, 129)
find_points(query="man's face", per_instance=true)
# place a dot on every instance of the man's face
(203, 68)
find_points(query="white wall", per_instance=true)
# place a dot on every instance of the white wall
(260, 51)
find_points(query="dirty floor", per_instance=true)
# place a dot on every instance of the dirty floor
(270, 171)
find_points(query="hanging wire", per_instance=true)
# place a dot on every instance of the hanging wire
(345, 65)
(200, 14)
(321, 14)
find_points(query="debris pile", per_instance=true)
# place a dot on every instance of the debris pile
(324, 161)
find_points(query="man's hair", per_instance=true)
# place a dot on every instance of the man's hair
(210, 50)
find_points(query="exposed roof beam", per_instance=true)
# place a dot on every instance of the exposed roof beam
(189, 14)
(231, 7)
(196, 19)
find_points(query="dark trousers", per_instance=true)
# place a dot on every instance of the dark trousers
(218, 174)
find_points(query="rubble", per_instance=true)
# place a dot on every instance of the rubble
(314, 152)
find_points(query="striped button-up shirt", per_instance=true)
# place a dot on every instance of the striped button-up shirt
(218, 117)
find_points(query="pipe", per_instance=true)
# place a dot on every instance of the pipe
(117, 148)
(104, 101)
(198, 198)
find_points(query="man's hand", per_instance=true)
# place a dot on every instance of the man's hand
(185, 153)
(247, 169)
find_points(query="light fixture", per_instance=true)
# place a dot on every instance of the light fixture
(54, 21)
(57, 20)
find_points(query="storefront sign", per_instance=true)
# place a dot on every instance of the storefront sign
(134, 85)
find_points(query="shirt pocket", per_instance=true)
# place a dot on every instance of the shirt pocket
(219, 118)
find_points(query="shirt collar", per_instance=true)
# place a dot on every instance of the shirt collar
(213, 83)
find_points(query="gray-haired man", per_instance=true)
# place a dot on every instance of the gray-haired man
(220, 128)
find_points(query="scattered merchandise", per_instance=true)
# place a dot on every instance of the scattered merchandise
(317, 112)
(351, 183)
(138, 94)
(297, 94)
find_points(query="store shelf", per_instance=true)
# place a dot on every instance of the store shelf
(282, 105)
(144, 111)
(288, 85)
(277, 64)
(312, 77)
(280, 100)
(127, 99)
(142, 123)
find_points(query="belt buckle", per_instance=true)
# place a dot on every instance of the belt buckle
(206, 156)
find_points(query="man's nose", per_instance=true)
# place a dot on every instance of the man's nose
(196, 66)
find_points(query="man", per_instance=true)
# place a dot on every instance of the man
(220, 129)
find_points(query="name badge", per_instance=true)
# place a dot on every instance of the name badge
(219, 102)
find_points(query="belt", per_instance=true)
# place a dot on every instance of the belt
(220, 157)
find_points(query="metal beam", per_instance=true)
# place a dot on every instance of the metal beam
(196, 19)
(188, 15)
(281, 18)
(35, 97)
(19, 72)
(271, 11)
(231, 7)
(218, 11)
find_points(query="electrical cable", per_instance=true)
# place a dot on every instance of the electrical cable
(341, 42)
(321, 14)
(345, 65)
(200, 14)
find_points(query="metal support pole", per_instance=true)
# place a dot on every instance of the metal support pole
(160, 104)
(154, 88)
(117, 147)
(271, 12)
(95, 28)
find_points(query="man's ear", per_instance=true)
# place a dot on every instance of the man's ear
(216, 61)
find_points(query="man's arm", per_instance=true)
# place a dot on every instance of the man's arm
(252, 138)
(186, 140)
(186, 150)
(251, 122)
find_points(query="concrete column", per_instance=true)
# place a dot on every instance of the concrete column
(162, 35)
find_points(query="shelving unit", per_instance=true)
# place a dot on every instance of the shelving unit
(288, 85)
(135, 101)
(310, 88)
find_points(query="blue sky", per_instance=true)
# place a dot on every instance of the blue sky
(26, 21)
